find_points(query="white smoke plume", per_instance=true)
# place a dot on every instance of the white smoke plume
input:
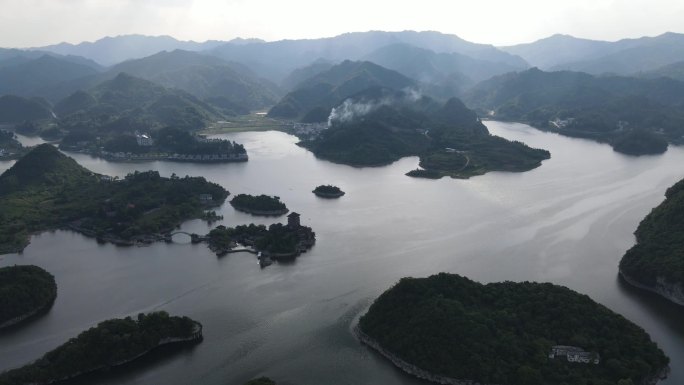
(350, 110)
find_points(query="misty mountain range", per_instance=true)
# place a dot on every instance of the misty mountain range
(304, 79)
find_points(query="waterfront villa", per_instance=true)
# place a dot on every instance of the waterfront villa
(574, 354)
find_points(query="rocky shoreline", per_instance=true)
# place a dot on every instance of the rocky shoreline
(425, 375)
(407, 367)
(328, 195)
(17, 320)
(263, 213)
(674, 293)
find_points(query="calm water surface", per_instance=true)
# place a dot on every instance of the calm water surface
(567, 222)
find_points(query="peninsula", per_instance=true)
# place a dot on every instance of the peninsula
(168, 143)
(451, 330)
(328, 191)
(47, 190)
(636, 116)
(656, 262)
(111, 343)
(263, 205)
(379, 126)
(25, 291)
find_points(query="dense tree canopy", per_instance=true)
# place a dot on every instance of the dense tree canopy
(659, 252)
(502, 333)
(259, 204)
(46, 189)
(24, 290)
(109, 344)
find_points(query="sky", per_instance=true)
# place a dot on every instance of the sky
(34, 23)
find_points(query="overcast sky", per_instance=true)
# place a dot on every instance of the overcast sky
(27, 23)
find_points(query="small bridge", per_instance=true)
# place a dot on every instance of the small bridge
(180, 232)
(194, 238)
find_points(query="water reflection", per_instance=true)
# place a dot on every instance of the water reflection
(568, 222)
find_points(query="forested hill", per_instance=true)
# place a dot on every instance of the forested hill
(502, 333)
(657, 260)
(607, 109)
(379, 126)
(206, 77)
(46, 190)
(329, 88)
(126, 103)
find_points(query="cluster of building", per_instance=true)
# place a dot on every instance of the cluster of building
(308, 130)
(561, 123)
(574, 354)
(208, 158)
(144, 140)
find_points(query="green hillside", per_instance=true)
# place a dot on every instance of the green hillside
(380, 126)
(502, 333)
(331, 87)
(617, 110)
(659, 252)
(47, 190)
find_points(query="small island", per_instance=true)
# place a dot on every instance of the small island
(263, 205)
(656, 262)
(328, 191)
(111, 343)
(25, 291)
(451, 330)
(277, 242)
(47, 190)
(261, 381)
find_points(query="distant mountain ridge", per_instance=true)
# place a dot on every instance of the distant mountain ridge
(319, 94)
(204, 76)
(275, 60)
(33, 77)
(623, 57)
(441, 74)
(112, 50)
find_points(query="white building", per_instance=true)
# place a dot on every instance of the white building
(144, 140)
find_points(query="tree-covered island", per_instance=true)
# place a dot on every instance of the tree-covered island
(276, 242)
(449, 329)
(259, 204)
(47, 190)
(656, 262)
(111, 343)
(25, 291)
(328, 191)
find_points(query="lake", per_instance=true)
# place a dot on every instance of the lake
(568, 222)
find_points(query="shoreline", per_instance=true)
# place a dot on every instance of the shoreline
(672, 293)
(263, 213)
(196, 337)
(407, 367)
(415, 371)
(27, 316)
(328, 195)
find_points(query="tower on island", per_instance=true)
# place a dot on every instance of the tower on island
(293, 221)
